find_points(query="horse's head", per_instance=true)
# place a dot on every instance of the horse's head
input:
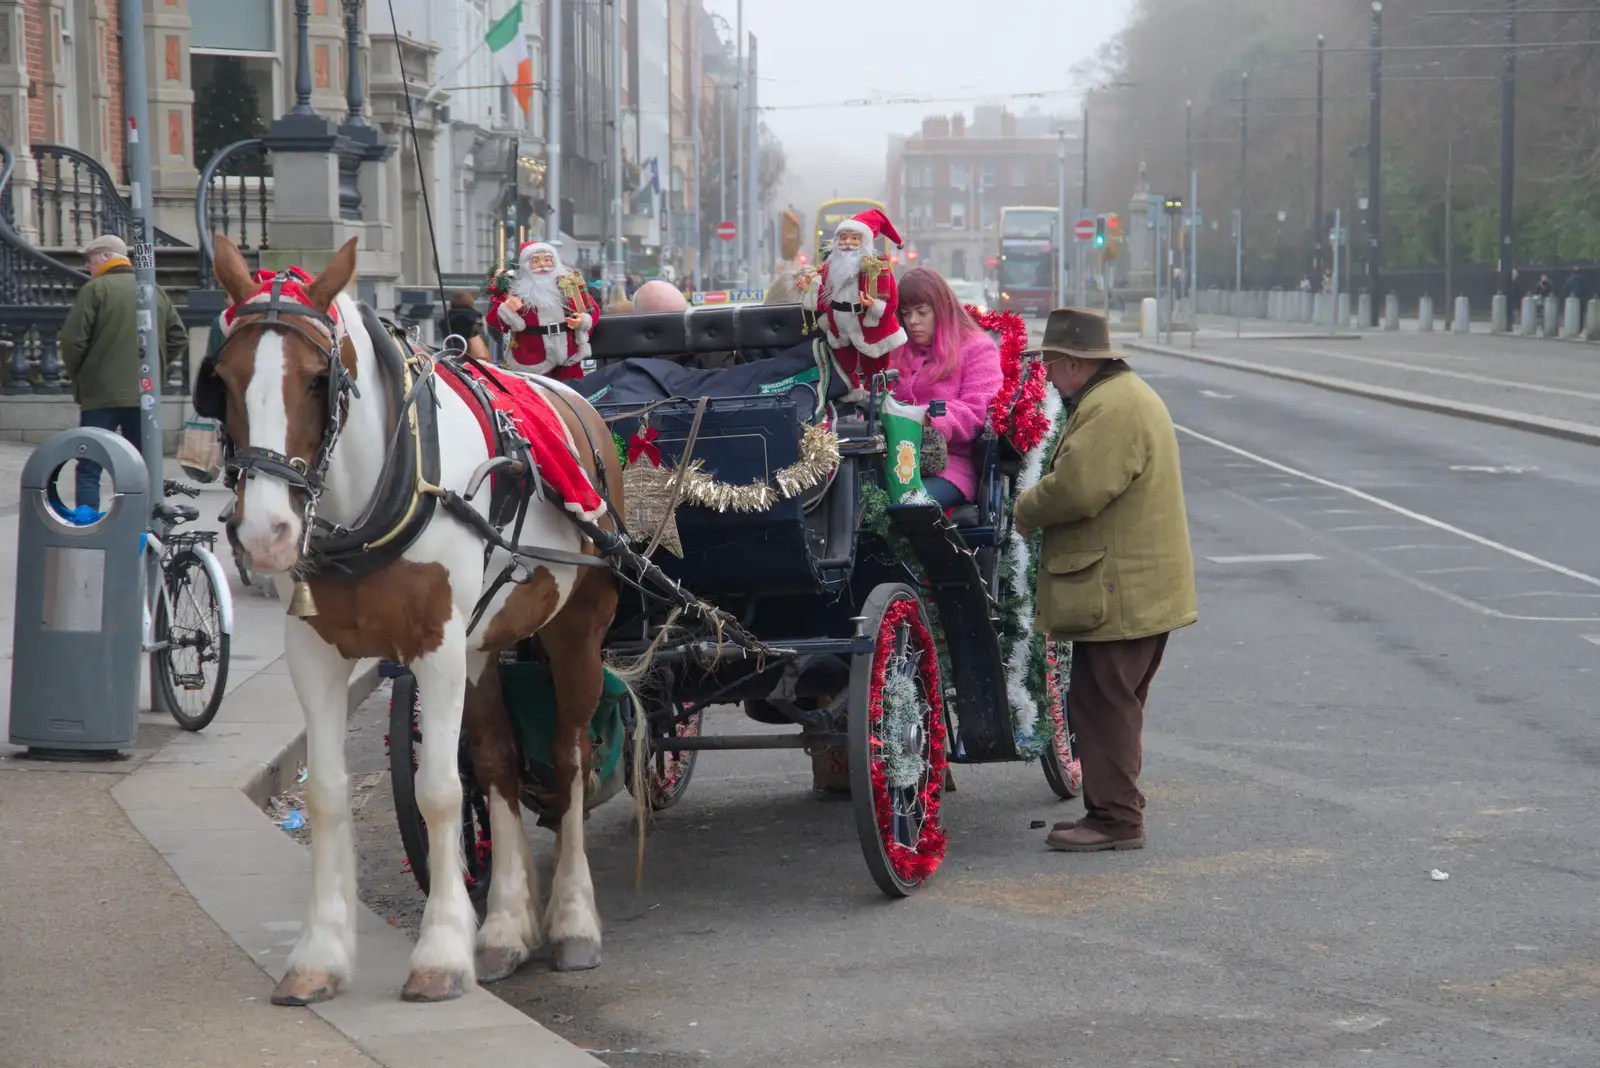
(281, 383)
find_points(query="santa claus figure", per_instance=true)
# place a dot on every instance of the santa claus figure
(547, 314)
(855, 298)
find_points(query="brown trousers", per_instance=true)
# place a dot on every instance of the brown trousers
(1105, 709)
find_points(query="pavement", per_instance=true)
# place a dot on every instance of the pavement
(1393, 675)
(151, 903)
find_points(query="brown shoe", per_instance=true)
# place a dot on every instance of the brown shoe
(1081, 839)
(1067, 825)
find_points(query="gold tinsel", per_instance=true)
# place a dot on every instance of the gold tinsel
(819, 454)
(646, 489)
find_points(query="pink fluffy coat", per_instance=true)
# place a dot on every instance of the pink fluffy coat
(967, 393)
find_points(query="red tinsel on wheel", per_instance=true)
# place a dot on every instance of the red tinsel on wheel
(1024, 422)
(911, 864)
(1071, 769)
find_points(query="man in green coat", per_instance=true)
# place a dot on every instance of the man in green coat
(1116, 574)
(100, 351)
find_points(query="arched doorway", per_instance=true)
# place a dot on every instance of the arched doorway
(958, 263)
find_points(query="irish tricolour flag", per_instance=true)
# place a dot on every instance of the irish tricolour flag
(510, 48)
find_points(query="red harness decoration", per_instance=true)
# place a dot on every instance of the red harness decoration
(537, 421)
(293, 292)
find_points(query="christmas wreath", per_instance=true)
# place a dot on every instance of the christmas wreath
(500, 278)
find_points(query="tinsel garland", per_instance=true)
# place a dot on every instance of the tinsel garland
(819, 455)
(912, 863)
(1023, 422)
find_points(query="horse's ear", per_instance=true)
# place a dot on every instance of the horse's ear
(230, 269)
(333, 279)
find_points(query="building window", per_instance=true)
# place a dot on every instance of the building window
(989, 179)
(1019, 174)
(960, 175)
(958, 216)
(991, 216)
(914, 177)
(927, 175)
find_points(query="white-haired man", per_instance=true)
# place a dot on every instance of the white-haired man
(546, 313)
(855, 298)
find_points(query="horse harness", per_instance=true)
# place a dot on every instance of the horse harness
(408, 490)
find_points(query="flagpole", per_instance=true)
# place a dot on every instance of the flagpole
(553, 131)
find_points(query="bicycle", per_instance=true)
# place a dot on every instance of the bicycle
(188, 614)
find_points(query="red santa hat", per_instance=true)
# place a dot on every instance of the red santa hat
(528, 249)
(872, 224)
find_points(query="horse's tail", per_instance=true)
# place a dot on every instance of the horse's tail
(631, 673)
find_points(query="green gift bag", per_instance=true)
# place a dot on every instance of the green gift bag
(902, 434)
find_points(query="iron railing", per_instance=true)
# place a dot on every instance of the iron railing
(235, 192)
(76, 200)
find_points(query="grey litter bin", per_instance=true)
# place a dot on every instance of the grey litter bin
(78, 638)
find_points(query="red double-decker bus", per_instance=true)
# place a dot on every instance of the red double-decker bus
(1027, 268)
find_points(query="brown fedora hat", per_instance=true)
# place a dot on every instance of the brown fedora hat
(1079, 332)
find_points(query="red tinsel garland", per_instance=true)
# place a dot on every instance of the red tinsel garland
(916, 864)
(1024, 423)
(1071, 768)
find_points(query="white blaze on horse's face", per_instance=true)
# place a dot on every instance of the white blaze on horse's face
(270, 530)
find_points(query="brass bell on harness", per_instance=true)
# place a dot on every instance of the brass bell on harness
(301, 604)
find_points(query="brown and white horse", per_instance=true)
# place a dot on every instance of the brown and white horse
(280, 381)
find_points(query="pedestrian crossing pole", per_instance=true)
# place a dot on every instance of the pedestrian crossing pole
(141, 247)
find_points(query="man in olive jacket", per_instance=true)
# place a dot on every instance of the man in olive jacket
(1116, 575)
(100, 351)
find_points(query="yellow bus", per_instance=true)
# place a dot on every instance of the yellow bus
(830, 213)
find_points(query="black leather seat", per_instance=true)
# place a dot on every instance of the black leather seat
(705, 330)
(965, 515)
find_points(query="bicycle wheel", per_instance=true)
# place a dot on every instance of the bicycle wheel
(192, 666)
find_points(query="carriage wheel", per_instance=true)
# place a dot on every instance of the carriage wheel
(897, 743)
(405, 738)
(1061, 767)
(669, 772)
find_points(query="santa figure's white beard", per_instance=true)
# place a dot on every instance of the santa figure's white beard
(541, 290)
(844, 274)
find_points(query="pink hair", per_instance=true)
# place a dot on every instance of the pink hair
(953, 327)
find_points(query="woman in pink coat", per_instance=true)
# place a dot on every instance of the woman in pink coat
(948, 357)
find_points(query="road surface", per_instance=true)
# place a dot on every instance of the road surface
(1393, 675)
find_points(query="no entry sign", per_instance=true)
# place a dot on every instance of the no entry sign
(1084, 231)
(727, 231)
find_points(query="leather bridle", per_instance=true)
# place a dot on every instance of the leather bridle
(290, 316)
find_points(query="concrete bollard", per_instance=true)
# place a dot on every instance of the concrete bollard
(1463, 323)
(1552, 318)
(1592, 331)
(1149, 320)
(1425, 315)
(1530, 316)
(1500, 322)
(1364, 312)
(1573, 326)
(1344, 309)
(1391, 312)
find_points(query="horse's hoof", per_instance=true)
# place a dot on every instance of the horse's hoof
(498, 962)
(434, 985)
(577, 955)
(305, 988)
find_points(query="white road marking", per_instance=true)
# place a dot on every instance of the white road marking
(1414, 548)
(1509, 469)
(1437, 524)
(1341, 511)
(1453, 570)
(1281, 558)
(1215, 395)
(1541, 593)
(1372, 526)
(1592, 639)
(1464, 376)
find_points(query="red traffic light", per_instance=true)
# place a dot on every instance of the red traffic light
(993, 262)
(911, 254)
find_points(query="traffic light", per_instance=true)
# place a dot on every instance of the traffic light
(1100, 232)
(1174, 206)
(791, 236)
(911, 254)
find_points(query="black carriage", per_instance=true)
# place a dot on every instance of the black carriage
(879, 629)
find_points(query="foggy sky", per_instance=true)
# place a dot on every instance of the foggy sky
(960, 52)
